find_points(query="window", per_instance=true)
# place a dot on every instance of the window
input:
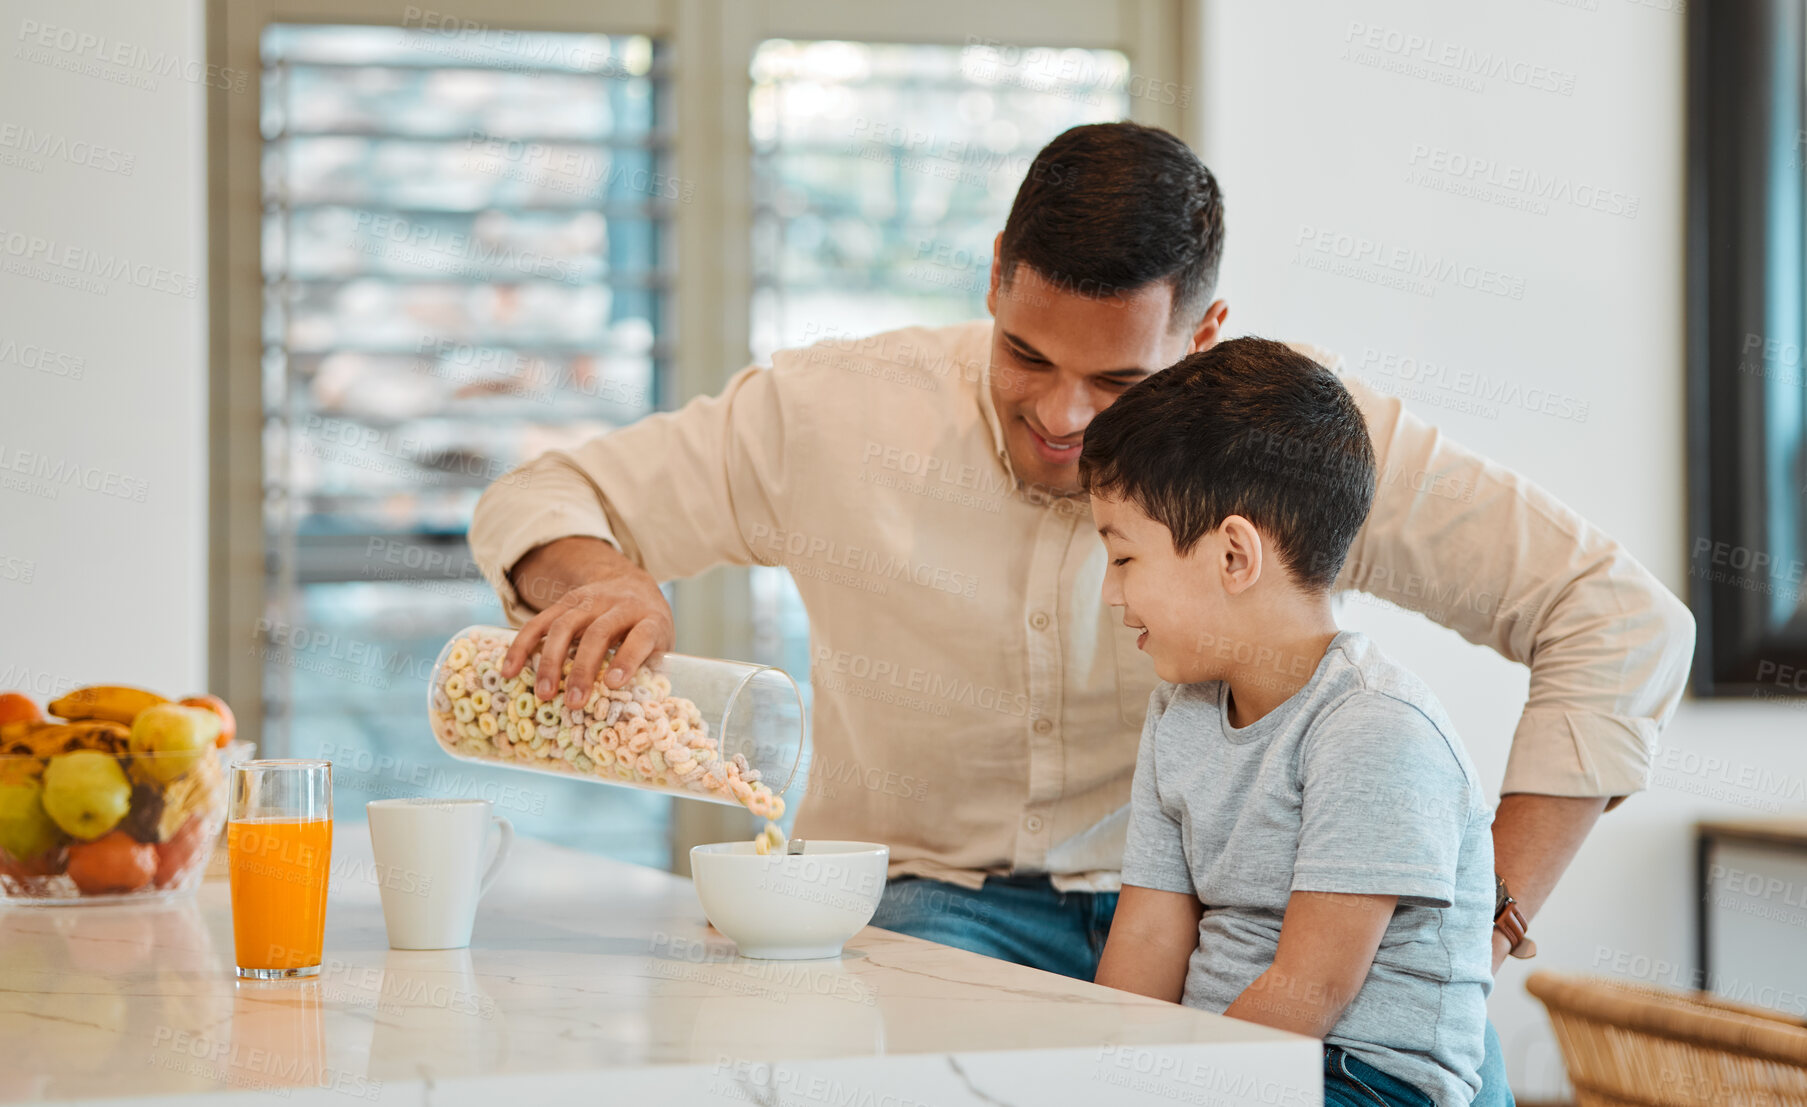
(478, 242)
(881, 175)
(463, 266)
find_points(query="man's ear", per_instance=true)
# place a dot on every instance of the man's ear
(1243, 554)
(997, 275)
(1210, 328)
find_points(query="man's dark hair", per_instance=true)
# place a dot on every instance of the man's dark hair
(1108, 208)
(1248, 427)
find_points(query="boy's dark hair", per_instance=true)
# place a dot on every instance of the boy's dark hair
(1108, 208)
(1248, 427)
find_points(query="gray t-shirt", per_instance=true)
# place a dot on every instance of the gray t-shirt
(1356, 784)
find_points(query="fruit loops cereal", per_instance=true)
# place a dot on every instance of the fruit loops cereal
(769, 840)
(638, 734)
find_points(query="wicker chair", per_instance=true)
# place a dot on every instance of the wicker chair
(1633, 1044)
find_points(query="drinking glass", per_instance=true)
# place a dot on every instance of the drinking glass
(279, 842)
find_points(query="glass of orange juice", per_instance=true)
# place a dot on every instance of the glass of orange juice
(279, 844)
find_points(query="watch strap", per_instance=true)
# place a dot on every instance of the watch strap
(1511, 922)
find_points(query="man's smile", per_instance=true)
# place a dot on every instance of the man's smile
(1058, 454)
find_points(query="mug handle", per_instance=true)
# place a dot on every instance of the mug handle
(503, 841)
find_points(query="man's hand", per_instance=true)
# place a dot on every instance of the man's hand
(586, 592)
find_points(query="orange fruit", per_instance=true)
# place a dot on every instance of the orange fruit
(228, 722)
(116, 862)
(17, 707)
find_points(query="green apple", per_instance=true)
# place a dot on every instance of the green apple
(178, 736)
(86, 792)
(26, 831)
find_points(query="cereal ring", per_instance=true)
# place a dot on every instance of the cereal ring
(523, 730)
(492, 679)
(487, 724)
(546, 731)
(478, 699)
(463, 711)
(547, 715)
(460, 655)
(605, 758)
(522, 706)
(442, 703)
(644, 765)
(454, 686)
(639, 741)
(594, 733)
(777, 806)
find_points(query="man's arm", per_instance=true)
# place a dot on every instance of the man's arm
(575, 541)
(1534, 839)
(1327, 944)
(1485, 552)
(1150, 946)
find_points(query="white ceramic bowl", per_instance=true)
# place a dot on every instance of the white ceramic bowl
(784, 907)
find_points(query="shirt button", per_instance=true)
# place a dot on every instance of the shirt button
(1039, 620)
(1033, 823)
(1043, 726)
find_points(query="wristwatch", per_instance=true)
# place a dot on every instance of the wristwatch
(1510, 921)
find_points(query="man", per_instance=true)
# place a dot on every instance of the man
(977, 707)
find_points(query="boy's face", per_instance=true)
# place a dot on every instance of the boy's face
(1172, 597)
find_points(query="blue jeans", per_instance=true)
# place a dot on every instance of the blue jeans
(1023, 919)
(1349, 1082)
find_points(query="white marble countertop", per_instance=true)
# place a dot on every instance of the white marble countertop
(587, 981)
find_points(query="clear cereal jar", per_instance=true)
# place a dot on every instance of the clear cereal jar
(726, 731)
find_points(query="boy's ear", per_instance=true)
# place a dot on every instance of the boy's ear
(1243, 554)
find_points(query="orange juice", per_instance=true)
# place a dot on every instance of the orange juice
(278, 869)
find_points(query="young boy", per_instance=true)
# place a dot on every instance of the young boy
(1308, 846)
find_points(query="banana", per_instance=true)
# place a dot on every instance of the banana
(50, 739)
(192, 792)
(114, 703)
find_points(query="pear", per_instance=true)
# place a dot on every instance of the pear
(178, 736)
(26, 831)
(86, 792)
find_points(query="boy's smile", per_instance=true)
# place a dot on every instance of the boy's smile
(1169, 596)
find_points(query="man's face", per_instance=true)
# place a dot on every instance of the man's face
(1058, 358)
(1167, 595)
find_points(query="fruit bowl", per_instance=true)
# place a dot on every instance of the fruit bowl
(99, 824)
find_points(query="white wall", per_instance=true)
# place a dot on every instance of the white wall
(1308, 125)
(102, 144)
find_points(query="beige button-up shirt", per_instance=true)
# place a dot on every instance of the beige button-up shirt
(977, 705)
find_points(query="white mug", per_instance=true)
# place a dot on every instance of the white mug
(427, 863)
